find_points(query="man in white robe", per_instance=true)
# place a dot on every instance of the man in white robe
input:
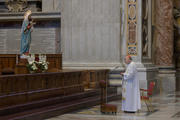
(130, 93)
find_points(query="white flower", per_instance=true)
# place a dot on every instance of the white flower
(33, 65)
(31, 59)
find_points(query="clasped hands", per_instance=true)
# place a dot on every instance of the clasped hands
(31, 23)
(122, 73)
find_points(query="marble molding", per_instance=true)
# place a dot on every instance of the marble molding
(164, 33)
(146, 30)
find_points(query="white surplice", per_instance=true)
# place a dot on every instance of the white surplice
(130, 89)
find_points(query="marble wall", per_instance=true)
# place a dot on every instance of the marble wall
(51, 5)
(90, 33)
(94, 35)
(45, 37)
(46, 33)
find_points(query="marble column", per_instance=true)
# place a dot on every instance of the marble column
(164, 33)
(164, 47)
(147, 72)
(177, 42)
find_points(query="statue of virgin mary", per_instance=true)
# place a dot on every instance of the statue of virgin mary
(26, 30)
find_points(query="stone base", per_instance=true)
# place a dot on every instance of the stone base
(119, 90)
(167, 81)
(178, 80)
(147, 75)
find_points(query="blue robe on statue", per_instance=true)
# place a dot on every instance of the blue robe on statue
(25, 37)
(130, 89)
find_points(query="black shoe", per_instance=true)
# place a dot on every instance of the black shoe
(129, 111)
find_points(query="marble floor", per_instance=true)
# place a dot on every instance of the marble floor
(166, 107)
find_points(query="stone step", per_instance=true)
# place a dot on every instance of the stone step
(115, 82)
(115, 76)
(115, 79)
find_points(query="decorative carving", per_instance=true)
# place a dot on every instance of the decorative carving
(177, 29)
(16, 5)
(164, 33)
(132, 33)
(145, 28)
(132, 27)
(177, 33)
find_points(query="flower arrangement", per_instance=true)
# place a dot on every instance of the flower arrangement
(37, 65)
(31, 66)
(42, 63)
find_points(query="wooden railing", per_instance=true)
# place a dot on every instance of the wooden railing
(92, 77)
(7, 61)
(24, 88)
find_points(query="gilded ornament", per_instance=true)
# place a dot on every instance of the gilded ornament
(16, 5)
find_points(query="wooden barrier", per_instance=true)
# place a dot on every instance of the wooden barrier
(24, 88)
(92, 77)
(11, 61)
(7, 61)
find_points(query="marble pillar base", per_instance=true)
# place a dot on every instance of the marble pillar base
(119, 90)
(167, 81)
(147, 75)
(178, 80)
